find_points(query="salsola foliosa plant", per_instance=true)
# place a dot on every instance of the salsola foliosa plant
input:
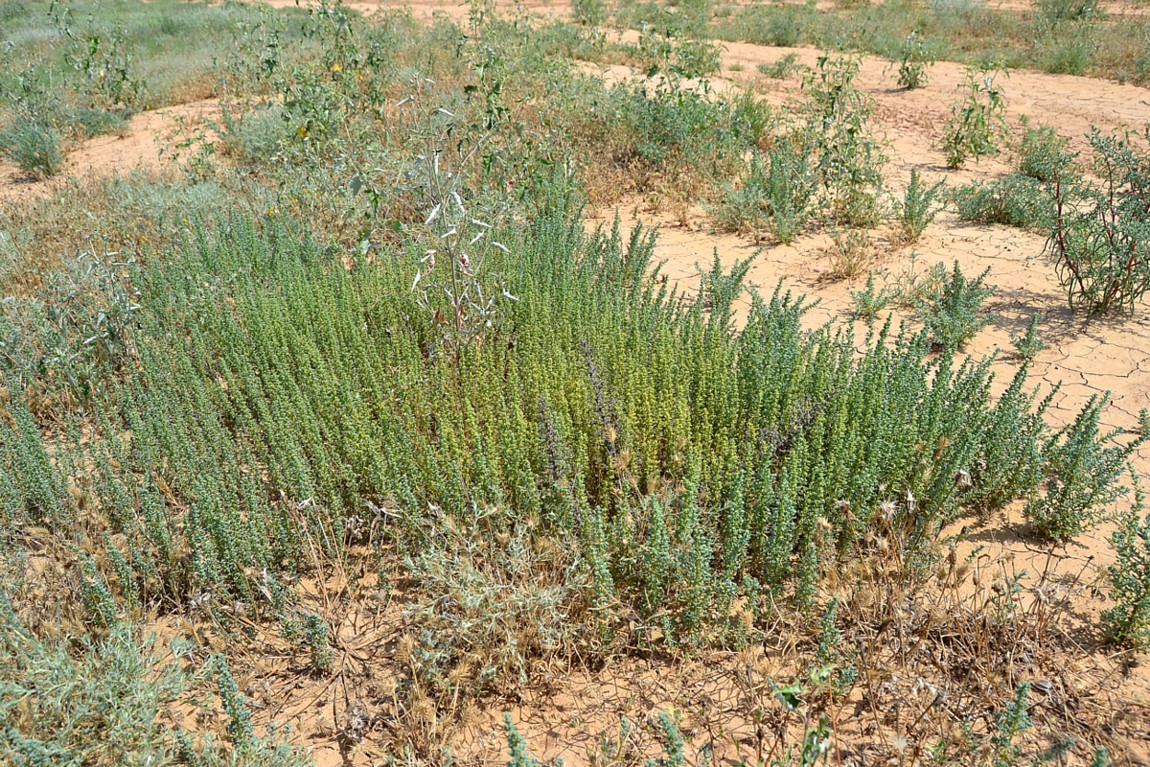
(1013, 200)
(1128, 621)
(920, 204)
(1043, 154)
(953, 314)
(1081, 466)
(871, 300)
(631, 477)
(517, 746)
(1027, 345)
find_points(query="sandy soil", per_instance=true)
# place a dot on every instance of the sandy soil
(150, 140)
(1087, 357)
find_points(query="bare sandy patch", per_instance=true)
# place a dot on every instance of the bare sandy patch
(149, 141)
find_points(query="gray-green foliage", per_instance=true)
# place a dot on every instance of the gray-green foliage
(1014, 200)
(871, 300)
(1082, 466)
(104, 701)
(494, 602)
(920, 204)
(1100, 233)
(783, 67)
(1043, 154)
(249, 334)
(101, 707)
(777, 192)
(34, 147)
(1009, 723)
(517, 746)
(829, 159)
(1028, 344)
(75, 330)
(1128, 621)
(953, 314)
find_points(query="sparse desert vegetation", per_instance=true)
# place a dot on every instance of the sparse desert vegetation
(584, 383)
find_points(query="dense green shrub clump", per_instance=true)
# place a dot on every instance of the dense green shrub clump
(380, 334)
(281, 398)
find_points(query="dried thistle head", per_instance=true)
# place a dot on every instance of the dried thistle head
(962, 479)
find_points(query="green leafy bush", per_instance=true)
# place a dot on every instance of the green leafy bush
(976, 123)
(848, 157)
(589, 13)
(1068, 10)
(783, 67)
(1100, 236)
(912, 61)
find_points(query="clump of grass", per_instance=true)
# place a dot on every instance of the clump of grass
(789, 187)
(920, 204)
(953, 315)
(783, 68)
(1013, 200)
(493, 613)
(104, 700)
(34, 147)
(851, 253)
(1068, 48)
(776, 194)
(1068, 10)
